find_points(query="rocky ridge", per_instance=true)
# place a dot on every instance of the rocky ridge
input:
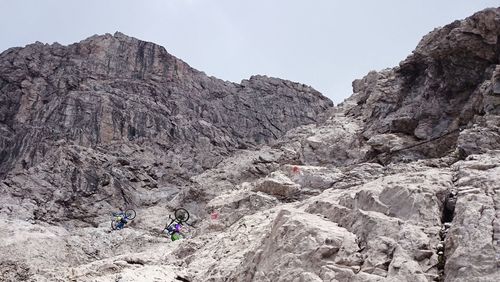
(397, 183)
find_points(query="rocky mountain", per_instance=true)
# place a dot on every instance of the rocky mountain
(145, 119)
(400, 182)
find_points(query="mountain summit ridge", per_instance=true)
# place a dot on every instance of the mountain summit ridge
(109, 67)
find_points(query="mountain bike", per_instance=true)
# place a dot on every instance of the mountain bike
(181, 216)
(121, 218)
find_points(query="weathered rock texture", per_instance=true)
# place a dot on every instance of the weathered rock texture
(447, 83)
(94, 119)
(398, 183)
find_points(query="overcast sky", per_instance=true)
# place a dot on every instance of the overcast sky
(322, 43)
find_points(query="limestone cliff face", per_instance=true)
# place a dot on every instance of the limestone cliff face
(111, 89)
(446, 84)
(397, 183)
(120, 97)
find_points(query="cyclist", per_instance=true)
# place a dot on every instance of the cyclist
(173, 228)
(122, 220)
(175, 232)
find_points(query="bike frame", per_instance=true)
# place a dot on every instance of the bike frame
(171, 222)
(175, 220)
(122, 214)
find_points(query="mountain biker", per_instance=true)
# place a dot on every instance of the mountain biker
(175, 232)
(122, 220)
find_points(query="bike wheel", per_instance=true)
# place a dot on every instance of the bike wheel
(181, 215)
(113, 224)
(130, 214)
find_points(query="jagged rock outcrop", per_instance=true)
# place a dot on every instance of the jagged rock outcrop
(397, 183)
(447, 84)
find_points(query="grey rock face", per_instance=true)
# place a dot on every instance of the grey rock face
(113, 113)
(108, 89)
(473, 239)
(448, 80)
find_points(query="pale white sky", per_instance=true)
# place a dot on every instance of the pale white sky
(322, 43)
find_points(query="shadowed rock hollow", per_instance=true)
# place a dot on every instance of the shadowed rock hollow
(397, 183)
